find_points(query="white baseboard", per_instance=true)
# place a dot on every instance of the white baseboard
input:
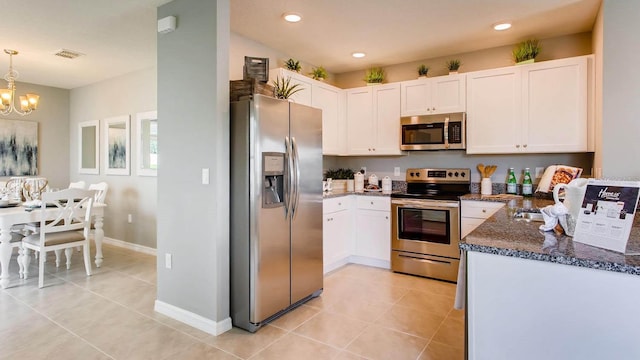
(130, 246)
(201, 323)
(362, 260)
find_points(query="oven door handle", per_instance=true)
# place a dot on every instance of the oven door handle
(426, 204)
(438, 262)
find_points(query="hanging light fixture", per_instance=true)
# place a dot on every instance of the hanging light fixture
(28, 102)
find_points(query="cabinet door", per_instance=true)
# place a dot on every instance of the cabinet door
(386, 100)
(448, 94)
(415, 97)
(336, 236)
(327, 98)
(555, 107)
(373, 234)
(494, 111)
(360, 125)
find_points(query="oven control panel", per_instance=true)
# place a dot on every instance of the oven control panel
(439, 175)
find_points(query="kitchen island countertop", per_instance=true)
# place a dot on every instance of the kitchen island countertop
(501, 234)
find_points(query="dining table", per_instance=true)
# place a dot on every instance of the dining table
(19, 214)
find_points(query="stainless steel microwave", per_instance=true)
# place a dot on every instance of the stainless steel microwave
(434, 132)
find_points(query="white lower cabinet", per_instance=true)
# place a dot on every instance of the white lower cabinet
(373, 231)
(337, 234)
(356, 229)
(473, 213)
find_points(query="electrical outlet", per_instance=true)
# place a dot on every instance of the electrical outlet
(396, 171)
(167, 261)
(130, 218)
(539, 172)
(363, 170)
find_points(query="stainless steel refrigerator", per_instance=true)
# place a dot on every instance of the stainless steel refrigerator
(276, 208)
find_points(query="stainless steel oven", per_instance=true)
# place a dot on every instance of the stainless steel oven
(425, 223)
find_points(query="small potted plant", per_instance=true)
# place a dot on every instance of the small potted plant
(319, 73)
(339, 178)
(374, 76)
(293, 65)
(283, 89)
(423, 70)
(453, 66)
(526, 52)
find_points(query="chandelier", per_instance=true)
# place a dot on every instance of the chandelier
(28, 102)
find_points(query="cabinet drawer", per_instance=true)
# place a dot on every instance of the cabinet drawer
(373, 203)
(479, 209)
(336, 204)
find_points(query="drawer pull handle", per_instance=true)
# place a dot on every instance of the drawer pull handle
(484, 210)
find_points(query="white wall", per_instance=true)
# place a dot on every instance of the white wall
(52, 117)
(132, 194)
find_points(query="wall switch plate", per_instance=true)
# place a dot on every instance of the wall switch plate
(396, 171)
(129, 218)
(167, 261)
(205, 176)
(539, 172)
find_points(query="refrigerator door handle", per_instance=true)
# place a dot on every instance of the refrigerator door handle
(295, 198)
(287, 180)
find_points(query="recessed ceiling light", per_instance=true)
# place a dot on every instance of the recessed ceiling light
(502, 26)
(292, 17)
(358, 55)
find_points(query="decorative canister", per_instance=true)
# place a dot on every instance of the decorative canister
(386, 185)
(373, 180)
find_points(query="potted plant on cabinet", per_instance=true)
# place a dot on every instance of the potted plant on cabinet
(374, 76)
(422, 71)
(339, 178)
(526, 52)
(283, 89)
(453, 65)
(319, 73)
(293, 65)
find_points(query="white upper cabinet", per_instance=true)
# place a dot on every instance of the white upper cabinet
(537, 108)
(373, 120)
(330, 100)
(439, 95)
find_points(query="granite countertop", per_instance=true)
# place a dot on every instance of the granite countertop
(503, 235)
(334, 194)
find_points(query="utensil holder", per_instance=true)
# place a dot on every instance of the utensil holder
(485, 186)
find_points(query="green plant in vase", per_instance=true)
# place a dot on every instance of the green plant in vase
(374, 75)
(283, 89)
(338, 174)
(423, 70)
(453, 65)
(319, 73)
(526, 51)
(293, 65)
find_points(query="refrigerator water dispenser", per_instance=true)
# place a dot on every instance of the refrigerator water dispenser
(272, 179)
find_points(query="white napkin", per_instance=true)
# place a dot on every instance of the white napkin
(551, 214)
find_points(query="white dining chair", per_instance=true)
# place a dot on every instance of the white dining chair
(78, 185)
(101, 189)
(62, 232)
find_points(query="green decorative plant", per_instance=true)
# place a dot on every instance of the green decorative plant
(423, 70)
(319, 73)
(374, 75)
(453, 64)
(338, 174)
(293, 65)
(526, 50)
(283, 89)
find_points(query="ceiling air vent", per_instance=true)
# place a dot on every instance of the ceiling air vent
(68, 54)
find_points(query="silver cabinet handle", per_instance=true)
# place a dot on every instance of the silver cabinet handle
(518, 146)
(525, 145)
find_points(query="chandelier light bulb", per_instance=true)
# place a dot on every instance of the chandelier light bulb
(28, 102)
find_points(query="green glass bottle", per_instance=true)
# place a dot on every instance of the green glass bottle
(512, 182)
(527, 185)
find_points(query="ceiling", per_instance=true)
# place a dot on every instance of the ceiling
(119, 36)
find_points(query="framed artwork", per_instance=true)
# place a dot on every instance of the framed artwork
(117, 139)
(147, 130)
(18, 148)
(89, 151)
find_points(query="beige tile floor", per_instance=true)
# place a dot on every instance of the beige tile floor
(363, 313)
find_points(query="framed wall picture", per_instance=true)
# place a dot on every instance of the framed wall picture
(18, 148)
(89, 151)
(118, 145)
(147, 140)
